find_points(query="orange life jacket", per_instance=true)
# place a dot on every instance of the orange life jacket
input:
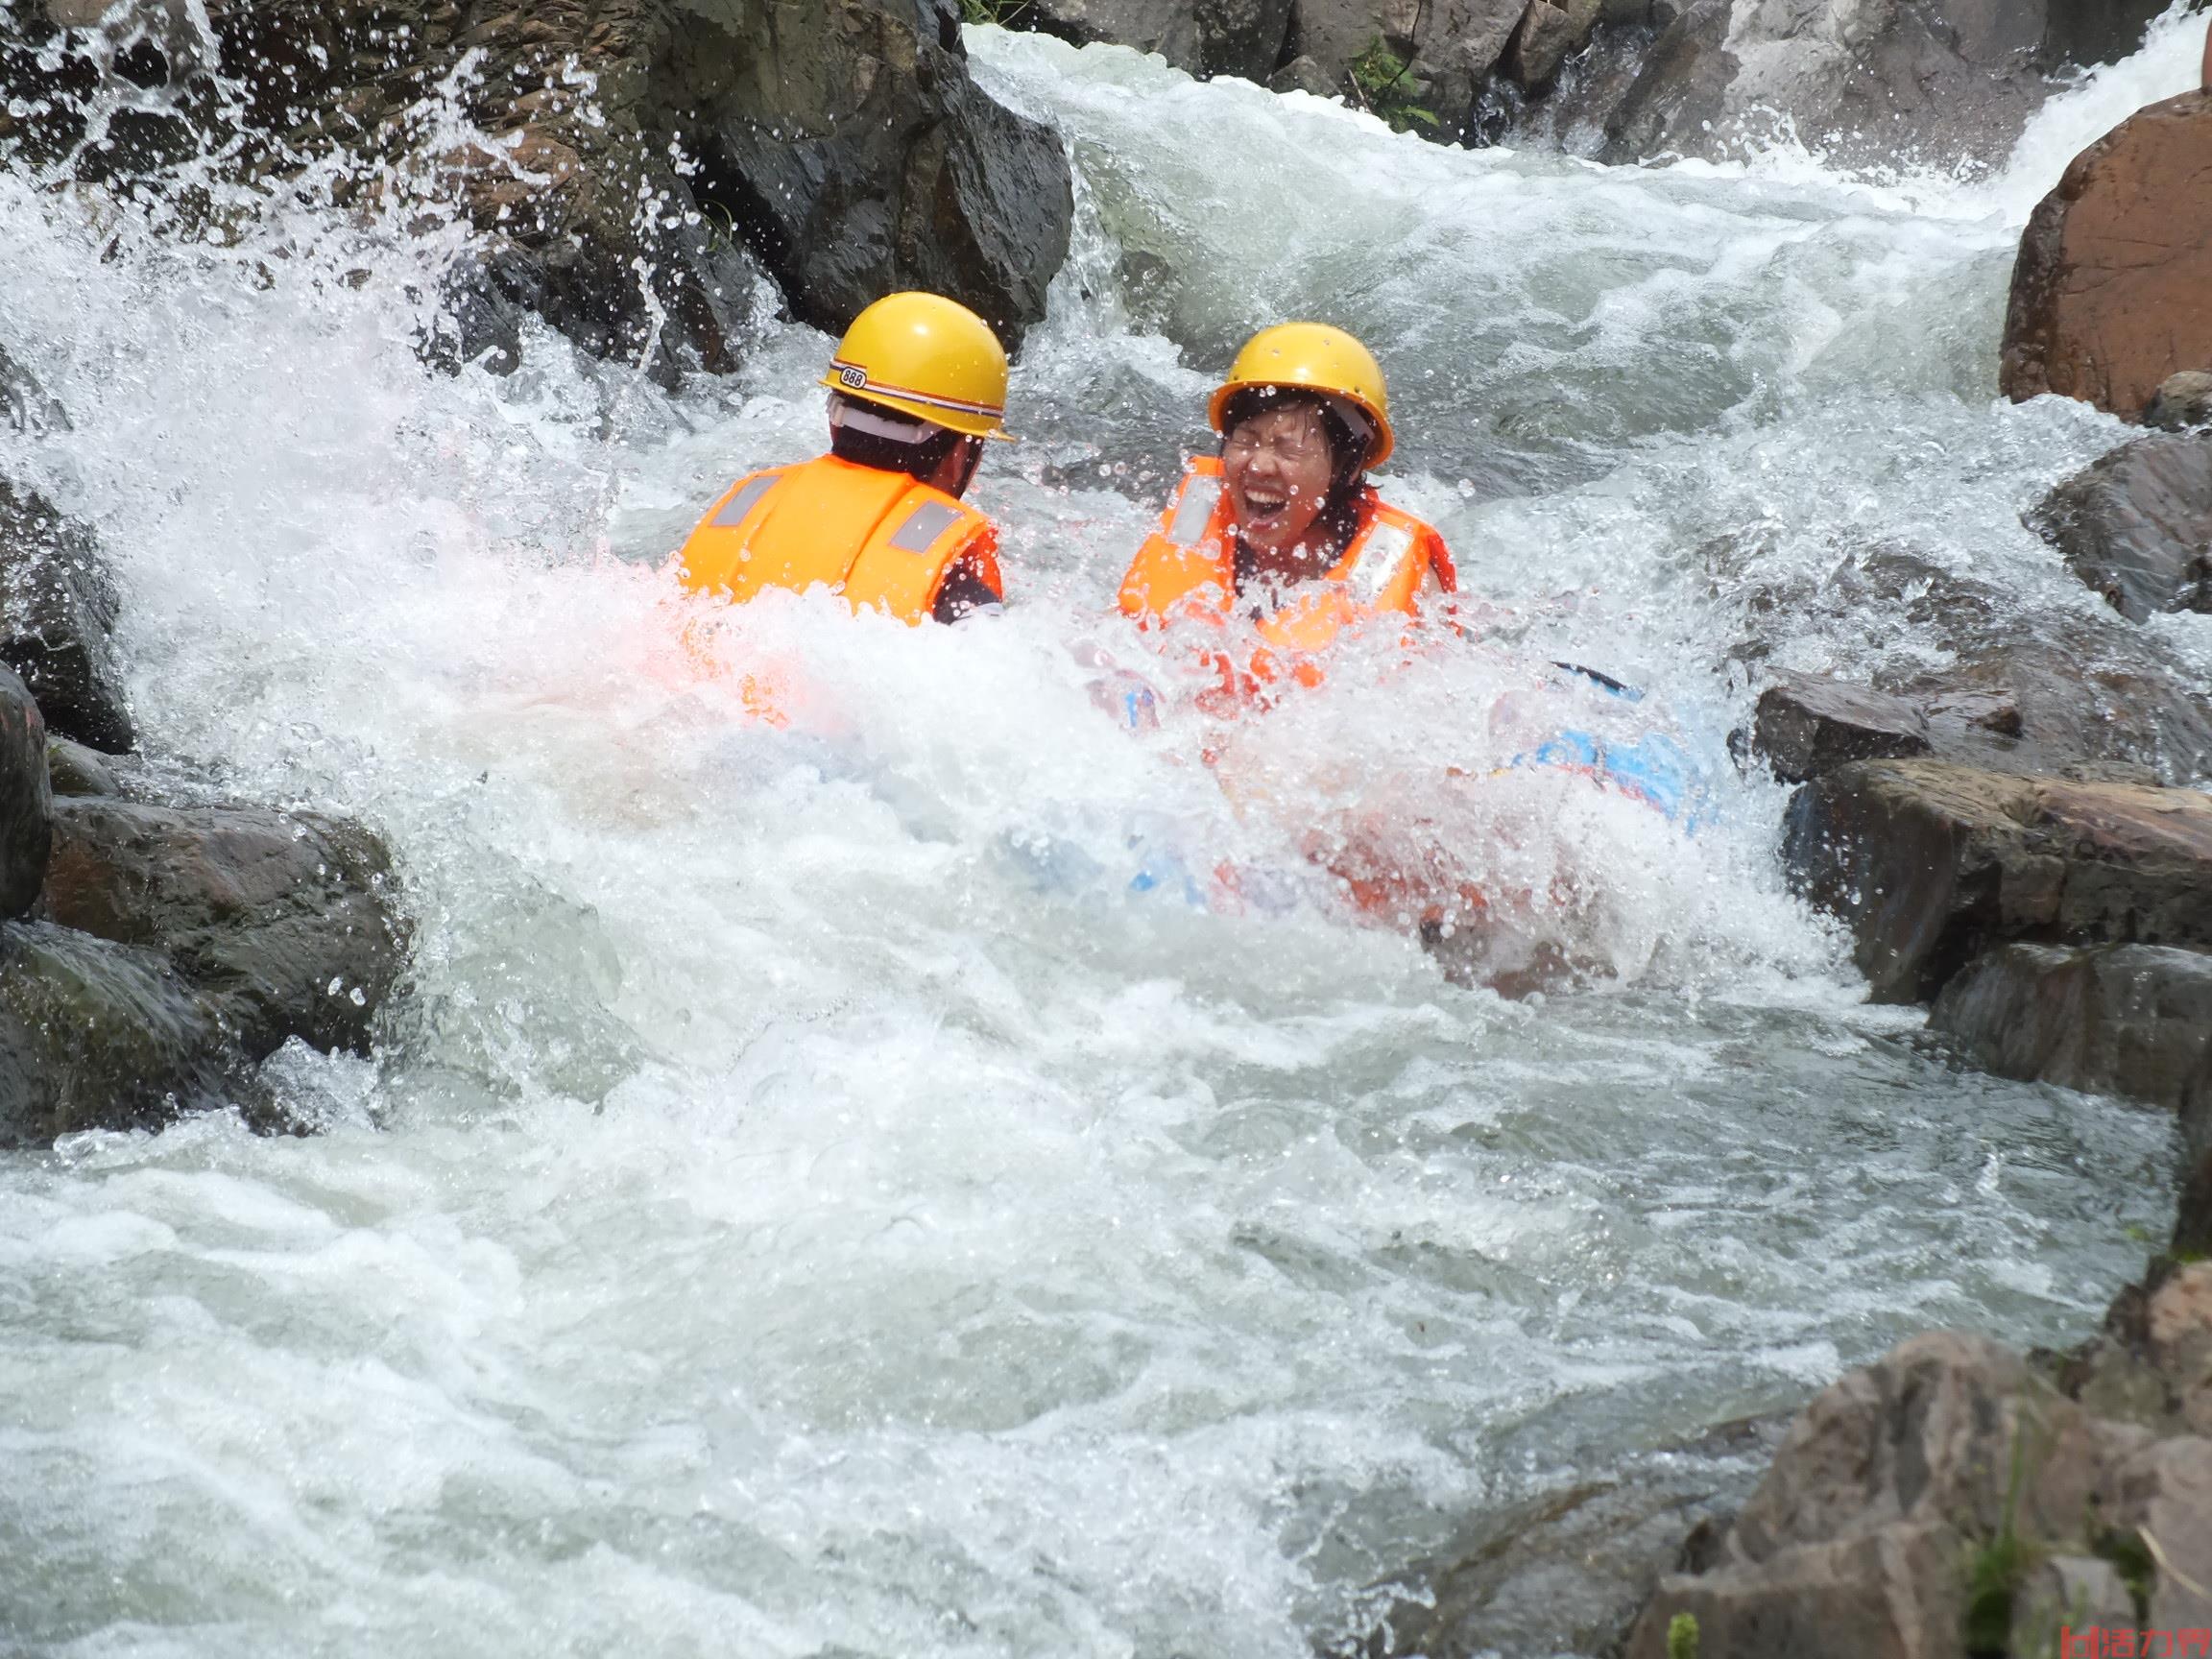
(1186, 571)
(881, 539)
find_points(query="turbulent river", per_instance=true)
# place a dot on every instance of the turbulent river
(809, 1202)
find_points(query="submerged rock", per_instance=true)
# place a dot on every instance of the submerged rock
(2112, 292)
(1568, 1572)
(57, 607)
(24, 404)
(287, 922)
(26, 797)
(2131, 1020)
(2137, 525)
(1931, 863)
(98, 1035)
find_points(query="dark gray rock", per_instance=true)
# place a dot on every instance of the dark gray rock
(24, 404)
(1680, 93)
(57, 606)
(73, 769)
(1566, 1572)
(2183, 401)
(289, 924)
(26, 799)
(2096, 698)
(842, 143)
(1804, 727)
(98, 1035)
(1548, 34)
(1931, 863)
(2131, 1020)
(2137, 525)
(1167, 27)
(1243, 37)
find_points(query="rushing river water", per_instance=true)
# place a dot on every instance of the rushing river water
(806, 1204)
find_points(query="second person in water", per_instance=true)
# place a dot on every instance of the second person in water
(1280, 528)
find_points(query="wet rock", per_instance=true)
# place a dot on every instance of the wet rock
(1890, 1489)
(2129, 1020)
(1243, 37)
(1568, 1572)
(98, 1035)
(26, 799)
(2137, 525)
(1804, 727)
(1304, 74)
(2112, 291)
(57, 607)
(1948, 82)
(1548, 34)
(1682, 89)
(1931, 863)
(2098, 698)
(1167, 27)
(24, 404)
(73, 769)
(2182, 402)
(288, 923)
(1439, 55)
(636, 159)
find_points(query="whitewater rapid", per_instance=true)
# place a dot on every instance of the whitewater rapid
(805, 1204)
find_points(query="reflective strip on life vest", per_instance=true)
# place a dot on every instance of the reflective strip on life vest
(1201, 495)
(1381, 560)
(734, 510)
(924, 525)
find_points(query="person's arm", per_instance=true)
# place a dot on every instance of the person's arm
(973, 581)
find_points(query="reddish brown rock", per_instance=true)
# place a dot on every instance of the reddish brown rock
(1931, 864)
(2112, 292)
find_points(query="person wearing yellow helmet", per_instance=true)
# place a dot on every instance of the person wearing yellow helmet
(1280, 526)
(917, 387)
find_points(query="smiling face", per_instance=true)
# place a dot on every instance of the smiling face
(1278, 467)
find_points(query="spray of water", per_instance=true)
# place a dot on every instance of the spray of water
(830, 1186)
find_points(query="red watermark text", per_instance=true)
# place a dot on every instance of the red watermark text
(2116, 1642)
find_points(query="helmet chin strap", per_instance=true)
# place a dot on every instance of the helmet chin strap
(878, 423)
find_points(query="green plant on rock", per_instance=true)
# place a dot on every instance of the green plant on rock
(2130, 1557)
(1999, 1568)
(1003, 13)
(1682, 1636)
(1380, 81)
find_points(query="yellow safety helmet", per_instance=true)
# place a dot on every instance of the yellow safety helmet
(927, 356)
(1312, 358)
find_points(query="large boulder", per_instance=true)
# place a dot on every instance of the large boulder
(2131, 1020)
(1951, 1498)
(2112, 291)
(26, 797)
(289, 924)
(2137, 525)
(58, 610)
(1931, 863)
(98, 1035)
(633, 159)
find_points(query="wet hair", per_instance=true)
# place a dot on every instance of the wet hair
(918, 457)
(1347, 449)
